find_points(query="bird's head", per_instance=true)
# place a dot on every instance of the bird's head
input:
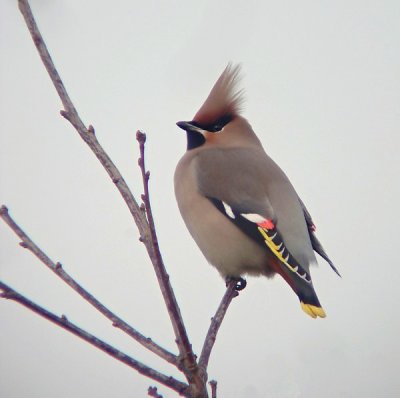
(221, 107)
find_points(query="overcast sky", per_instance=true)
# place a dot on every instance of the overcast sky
(323, 94)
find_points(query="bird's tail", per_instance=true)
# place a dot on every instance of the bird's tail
(309, 302)
(297, 276)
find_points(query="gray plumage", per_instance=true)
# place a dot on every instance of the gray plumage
(226, 185)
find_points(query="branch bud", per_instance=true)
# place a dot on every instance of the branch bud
(141, 137)
(64, 114)
(3, 210)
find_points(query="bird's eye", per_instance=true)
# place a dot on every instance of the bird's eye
(217, 128)
(219, 124)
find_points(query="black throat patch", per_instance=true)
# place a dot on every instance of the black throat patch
(194, 139)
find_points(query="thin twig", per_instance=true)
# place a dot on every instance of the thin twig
(88, 135)
(152, 392)
(71, 114)
(216, 321)
(213, 385)
(162, 276)
(143, 220)
(58, 269)
(62, 321)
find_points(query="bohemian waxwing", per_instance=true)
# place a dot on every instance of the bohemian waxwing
(237, 203)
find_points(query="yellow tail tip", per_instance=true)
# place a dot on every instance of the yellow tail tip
(313, 310)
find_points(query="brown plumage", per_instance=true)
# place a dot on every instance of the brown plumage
(223, 99)
(238, 205)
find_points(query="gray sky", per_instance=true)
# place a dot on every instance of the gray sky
(322, 88)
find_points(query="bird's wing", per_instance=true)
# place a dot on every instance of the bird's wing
(266, 233)
(232, 187)
(231, 176)
(227, 179)
(263, 231)
(316, 244)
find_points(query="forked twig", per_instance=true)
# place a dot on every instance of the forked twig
(88, 135)
(62, 321)
(195, 372)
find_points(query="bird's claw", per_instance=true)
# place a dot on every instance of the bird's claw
(240, 283)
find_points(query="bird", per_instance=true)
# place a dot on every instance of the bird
(238, 204)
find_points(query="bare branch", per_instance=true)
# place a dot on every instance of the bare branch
(216, 321)
(162, 276)
(70, 113)
(88, 135)
(169, 381)
(57, 268)
(144, 220)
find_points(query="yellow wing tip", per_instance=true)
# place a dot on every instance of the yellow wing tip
(313, 310)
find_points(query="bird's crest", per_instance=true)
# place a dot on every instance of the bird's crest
(224, 98)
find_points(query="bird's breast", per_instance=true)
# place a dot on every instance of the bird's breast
(221, 242)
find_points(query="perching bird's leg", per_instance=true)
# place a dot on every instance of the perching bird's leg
(240, 282)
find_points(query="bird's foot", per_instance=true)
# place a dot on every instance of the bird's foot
(240, 283)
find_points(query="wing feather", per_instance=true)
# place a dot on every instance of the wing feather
(316, 244)
(265, 237)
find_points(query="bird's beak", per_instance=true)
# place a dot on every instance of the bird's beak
(186, 126)
(190, 127)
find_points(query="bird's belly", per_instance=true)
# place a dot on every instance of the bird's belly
(222, 243)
